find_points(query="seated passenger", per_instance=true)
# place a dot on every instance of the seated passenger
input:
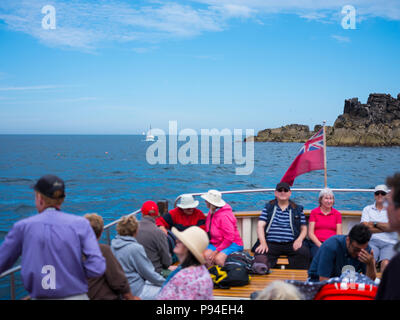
(153, 239)
(183, 216)
(341, 250)
(375, 218)
(191, 280)
(325, 221)
(222, 229)
(144, 281)
(281, 230)
(113, 284)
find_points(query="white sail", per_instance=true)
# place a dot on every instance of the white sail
(149, 136)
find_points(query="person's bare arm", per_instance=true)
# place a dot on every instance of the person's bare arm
(262, 248)
(368, 259)
(383, 227)
(380, 227)
(311, 234)
(339, 229)
(299, 241)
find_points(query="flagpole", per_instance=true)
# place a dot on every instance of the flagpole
(325, 173)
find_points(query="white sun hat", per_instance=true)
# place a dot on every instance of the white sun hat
(214, 197)
(187, 202)
(195, 239)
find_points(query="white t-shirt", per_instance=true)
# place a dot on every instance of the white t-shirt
(372, 214)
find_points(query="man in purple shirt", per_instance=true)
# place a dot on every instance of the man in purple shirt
(59, 250)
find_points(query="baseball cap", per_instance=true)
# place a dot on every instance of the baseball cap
(381, 187)
(150, 206)
(282, 185)
(51, 186)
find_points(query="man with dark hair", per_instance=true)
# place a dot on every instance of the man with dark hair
(341, 250)
(389, 288)
(281, 230)
(59, 250)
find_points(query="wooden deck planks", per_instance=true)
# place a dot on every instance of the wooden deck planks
(259, 282)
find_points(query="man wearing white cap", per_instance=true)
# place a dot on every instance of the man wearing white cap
(182, 217)
(375, 218)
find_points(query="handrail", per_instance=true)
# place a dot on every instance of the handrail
(118, 220)
(273, 189)
(10, 272)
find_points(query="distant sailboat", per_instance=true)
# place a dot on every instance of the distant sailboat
(149, 136)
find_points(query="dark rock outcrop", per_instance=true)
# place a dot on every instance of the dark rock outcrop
(376, 123)
(289, 133)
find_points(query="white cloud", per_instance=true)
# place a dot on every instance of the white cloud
(315, 9)
(341, 38)
(234, 10)
(88, 25)
(84, 25)
(317, 16)
(52, 101)
(142, 50)
(41, 87)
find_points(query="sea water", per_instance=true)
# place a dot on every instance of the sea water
(109, 175)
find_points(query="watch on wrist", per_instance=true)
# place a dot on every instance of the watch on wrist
(376, 225)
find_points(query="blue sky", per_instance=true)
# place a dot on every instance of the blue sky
(114, 67)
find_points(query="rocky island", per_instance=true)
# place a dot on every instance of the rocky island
(376, 123)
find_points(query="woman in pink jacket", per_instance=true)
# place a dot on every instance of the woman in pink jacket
(221, 228)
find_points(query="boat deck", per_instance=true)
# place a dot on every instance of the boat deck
(259, 282)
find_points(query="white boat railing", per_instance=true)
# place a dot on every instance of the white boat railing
(273, 189)
(107, 228)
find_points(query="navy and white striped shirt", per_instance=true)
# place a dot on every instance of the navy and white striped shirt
(280, 230)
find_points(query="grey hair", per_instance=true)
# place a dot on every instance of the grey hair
(280, 290)
(325, 192)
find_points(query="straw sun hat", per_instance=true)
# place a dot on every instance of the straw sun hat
(195, 239)
(214, 197)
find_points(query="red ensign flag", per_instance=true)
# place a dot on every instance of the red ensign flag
(309, 158)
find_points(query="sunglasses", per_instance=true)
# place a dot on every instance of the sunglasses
(382, 193)
(283, 190)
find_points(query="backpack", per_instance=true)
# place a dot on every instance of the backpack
(240, 257)
(217, 275)
(231, 275)
(256, 265)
